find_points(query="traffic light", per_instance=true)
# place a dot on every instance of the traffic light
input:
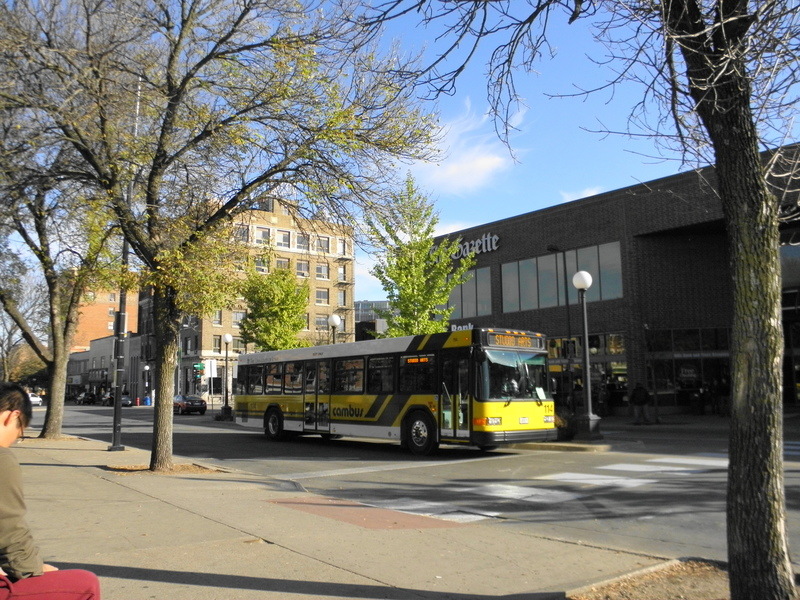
(198, 370)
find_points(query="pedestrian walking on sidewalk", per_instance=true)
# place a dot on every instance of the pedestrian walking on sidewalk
(23, 575)
(640, 398)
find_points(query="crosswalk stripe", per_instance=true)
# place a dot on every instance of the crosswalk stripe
(438, 510)
(704, 462)
(599, 480)
(639, 468)
(517, 492)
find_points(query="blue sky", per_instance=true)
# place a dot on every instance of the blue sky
(557, 156)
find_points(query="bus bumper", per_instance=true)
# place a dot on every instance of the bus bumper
(495, 438)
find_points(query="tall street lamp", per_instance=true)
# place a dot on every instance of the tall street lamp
(227, 414)
(587, 423)
(146, 382)
(334, 321)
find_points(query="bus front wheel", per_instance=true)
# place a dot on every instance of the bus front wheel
(273, 424)
(420, 435)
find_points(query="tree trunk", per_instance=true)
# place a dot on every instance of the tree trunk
(54, 417)
(167, 318)
(758, 549)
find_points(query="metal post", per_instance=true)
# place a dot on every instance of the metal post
(587, 423)
(227, 413)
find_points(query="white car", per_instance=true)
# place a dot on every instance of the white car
(36, 400)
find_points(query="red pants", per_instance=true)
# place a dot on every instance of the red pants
(71, 584)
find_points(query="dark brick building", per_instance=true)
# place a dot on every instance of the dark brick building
(659, 308)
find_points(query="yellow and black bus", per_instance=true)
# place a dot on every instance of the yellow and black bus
(481, 387)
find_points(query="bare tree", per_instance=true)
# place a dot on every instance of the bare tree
(722, 76)
(61, 234)
(31, 300)
(188, 112)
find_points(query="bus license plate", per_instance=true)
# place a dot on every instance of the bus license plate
(523, 420)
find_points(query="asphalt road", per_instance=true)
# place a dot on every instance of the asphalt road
(650, 493)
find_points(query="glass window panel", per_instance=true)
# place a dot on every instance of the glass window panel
(686, 340)
(572, 267)
(417, 374)
(484, 291)
(509, 273)
(714, 339)
(790, 266)
(659, 340)
(274, 375)
(616, 343)
(455, 302)
(468, 295)
(293, 378)
(348, 375)
(548, 281)
(255, 379)
(528, 285)
(589, 262)
(380, 375)
(610, 271)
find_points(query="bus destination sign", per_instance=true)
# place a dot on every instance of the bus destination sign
(515, 340)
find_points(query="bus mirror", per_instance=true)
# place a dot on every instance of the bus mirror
(480, 355)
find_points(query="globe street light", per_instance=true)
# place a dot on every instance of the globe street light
(334, 321)
(588, 423)
(227, 414)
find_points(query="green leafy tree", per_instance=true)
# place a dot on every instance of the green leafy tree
(276, 310)
(719, 81)
(416, 274)
(188, 113)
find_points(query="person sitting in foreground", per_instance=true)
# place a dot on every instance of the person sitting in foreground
(22, 572)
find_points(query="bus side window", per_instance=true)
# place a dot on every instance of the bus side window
(293, 378)
(324, 377)
(274, 376)
(240, 382)
(380, 375)
(417, 374)
(348, 375)
(255, 379)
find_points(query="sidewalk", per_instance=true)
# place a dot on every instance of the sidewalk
(212, 535)
(205, 534)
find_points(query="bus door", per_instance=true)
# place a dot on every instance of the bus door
(454, 395)
(317, 400)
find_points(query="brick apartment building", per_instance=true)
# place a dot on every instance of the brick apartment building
(97, 314)
(660, 307)
(317, 251)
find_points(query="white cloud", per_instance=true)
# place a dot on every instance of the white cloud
(585, 193)
(474, 156)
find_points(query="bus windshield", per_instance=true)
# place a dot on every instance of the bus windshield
(515, 374)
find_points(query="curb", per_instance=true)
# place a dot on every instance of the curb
(638, 573)
(644, 571)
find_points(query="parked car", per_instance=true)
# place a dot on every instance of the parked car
(188, 404)
(86, 398)
(108, 400)
(36, 400)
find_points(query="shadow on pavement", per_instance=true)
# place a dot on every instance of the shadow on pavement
(314, 589)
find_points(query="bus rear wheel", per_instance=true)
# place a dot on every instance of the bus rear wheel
(273, 424)
(420, 434)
